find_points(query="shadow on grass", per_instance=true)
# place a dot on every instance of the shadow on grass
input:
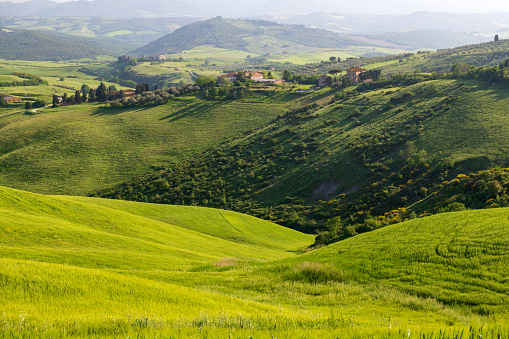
(186, 110)
(104, 111)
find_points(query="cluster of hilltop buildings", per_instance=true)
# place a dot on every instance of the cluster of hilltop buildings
(254, 76)
(352, 73)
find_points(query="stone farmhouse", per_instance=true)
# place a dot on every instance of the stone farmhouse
(353, 73)
(322, 81)
(9, 99)
(232, 77)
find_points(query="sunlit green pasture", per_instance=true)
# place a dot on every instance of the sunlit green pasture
(89, 267)
(57, 74)
(90, 233)
(212, 53)
(76, 149)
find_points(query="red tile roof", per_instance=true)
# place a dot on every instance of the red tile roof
(357, 69)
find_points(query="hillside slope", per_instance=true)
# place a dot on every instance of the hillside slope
(75, 150)
(94, 234)
(91, 264)
(246, 35)
(363, 155)
(38, 46)
(456, 258)
(483, 54)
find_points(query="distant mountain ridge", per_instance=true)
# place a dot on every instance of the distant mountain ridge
(349, 23)
(103, 8)
(247, 35)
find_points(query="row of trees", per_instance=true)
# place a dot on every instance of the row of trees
(156, 96)
(493, 74)
(31, 80)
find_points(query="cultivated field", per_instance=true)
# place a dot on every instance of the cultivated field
(91, 267)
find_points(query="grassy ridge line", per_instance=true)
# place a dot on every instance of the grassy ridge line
(60, 230)
(455, 258)
(223, 224)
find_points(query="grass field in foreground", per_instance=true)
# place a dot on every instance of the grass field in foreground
(74, 266)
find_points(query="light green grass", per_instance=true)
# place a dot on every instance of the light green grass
(51, 72)
(74, 150)
(80, 266)
(90, 233)
(121, 32)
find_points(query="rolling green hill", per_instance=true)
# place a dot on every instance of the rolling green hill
(245, 35)
(358, 157)
(455, 258)
(484, 54)
(75, 266)
(94, 234)
(77, 149)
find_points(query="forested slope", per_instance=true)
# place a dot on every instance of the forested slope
(33, 45)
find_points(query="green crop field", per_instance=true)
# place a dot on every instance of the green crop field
(50, 71)
(74, 266)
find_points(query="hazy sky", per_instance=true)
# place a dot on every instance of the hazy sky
(376, 6)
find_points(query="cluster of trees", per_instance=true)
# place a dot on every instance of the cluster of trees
(114, 98)
(492, 74)
(333, 80)
(305, 79)
(32, 80)
(37, 103)
(228, 91)
(156, 96)
(77, 98)
(2, 102)
(373, 74)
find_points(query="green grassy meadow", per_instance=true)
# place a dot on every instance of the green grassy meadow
(84, 267)
(76, 149)
(50, 71)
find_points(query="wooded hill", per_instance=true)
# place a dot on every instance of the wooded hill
(244, 35)
(43, 46)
